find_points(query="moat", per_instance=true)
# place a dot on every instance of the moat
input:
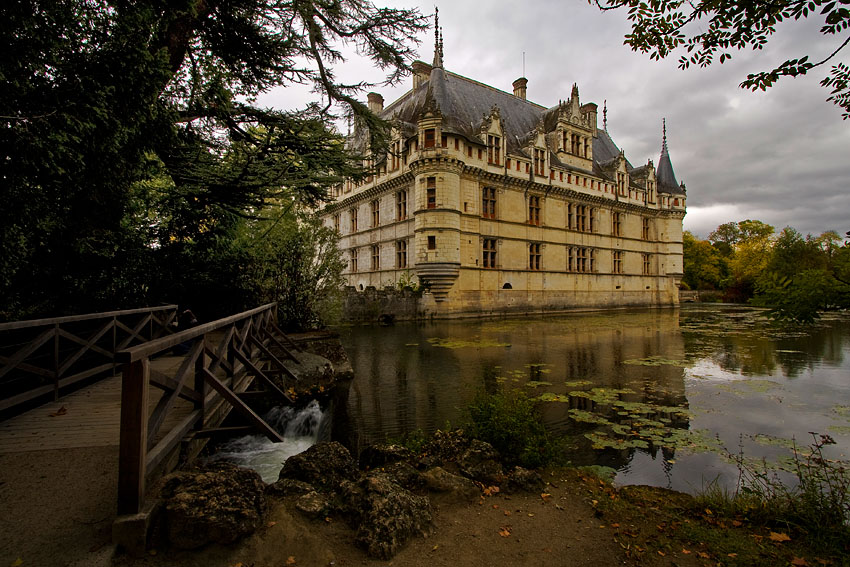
(661, 396)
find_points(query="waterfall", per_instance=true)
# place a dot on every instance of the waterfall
(299, 428)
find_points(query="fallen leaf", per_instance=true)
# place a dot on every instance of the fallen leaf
(495, 506)
(799, 562)
(530, 515)
(779, 537)
(505, 531)
(615, 525)
(546, 497)
(507, 512)
(703, 554)
(709, 512)
(61, 411)
(435, 548)
(290, 560)
(491, 490)
(732, 555)
(686, 551)
(737, 524)
(661, 553)
(270, 524)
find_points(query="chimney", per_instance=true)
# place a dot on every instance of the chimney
(376, 102)
(421, 72)
(520, 87)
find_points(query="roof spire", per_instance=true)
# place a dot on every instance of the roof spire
(605, 115)
(438, 41)
(663, 136)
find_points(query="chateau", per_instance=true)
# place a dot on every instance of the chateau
(499, 204)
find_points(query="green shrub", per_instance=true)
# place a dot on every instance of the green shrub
(511, 423)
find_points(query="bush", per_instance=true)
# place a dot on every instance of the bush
(510, 422)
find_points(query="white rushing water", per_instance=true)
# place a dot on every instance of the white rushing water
(300, 430)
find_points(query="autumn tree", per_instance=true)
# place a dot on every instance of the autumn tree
(711, 30)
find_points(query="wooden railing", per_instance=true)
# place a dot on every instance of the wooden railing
(224, 359)
(42, 356)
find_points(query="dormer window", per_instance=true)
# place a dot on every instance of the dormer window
(494, 149)
(430, 138)
(539, 162)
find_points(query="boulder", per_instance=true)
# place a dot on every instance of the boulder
(523, 480)
(313, 505)
(288, 487)
(220, 504)
(440, 480)
(387, 515)
(445, 447)
(324, 465)
(375, 456)
(405, 474)
(480, 461)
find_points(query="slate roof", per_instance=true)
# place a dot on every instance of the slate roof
(465, 103)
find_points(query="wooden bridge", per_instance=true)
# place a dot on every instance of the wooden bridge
(160, 410)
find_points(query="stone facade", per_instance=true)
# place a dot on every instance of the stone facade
(498, 204)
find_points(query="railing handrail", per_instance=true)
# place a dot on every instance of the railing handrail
(150, 348)
(74, 318)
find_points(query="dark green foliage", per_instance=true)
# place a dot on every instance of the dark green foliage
(511, 423)
(130, 146)
(709, 28)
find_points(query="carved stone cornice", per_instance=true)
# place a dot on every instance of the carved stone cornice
(377, 190)
(436, 163)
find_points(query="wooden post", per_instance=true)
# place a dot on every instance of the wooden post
(56, 362)
(200, 383)
(132, 455)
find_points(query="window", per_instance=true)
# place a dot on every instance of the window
(488, 255)
(494, 149)
(376, 257)
(647, 266)
(432, 192)
(352, 264)
(534, 256)
(571, 259)
(375, 206)
(621, 183)
(353, 215)
(432, 243)
(618, 263)
(591, 214)
(401, 205)
(395, 155)
(582, 260)
(650, 188)
(534, 210)
(457, 143)
(336, 222)
(488, 203)
(581, 218)
(444, 141)
(469, 150)
(480, 153)
(401, 254)
(644, 228)
(571, 224)
(430, 138)
(616, 224)
(539, 162)
(508, 163)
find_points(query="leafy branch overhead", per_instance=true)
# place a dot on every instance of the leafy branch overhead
(709, 29)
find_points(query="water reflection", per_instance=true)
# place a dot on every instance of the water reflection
(644, 392)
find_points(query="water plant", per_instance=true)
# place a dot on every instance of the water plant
(816, 503)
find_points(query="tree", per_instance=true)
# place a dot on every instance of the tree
(704, 266)
(706, 29)
(118, 124)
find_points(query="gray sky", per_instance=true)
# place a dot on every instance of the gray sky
(780, 156)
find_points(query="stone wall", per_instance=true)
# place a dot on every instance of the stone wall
(384, 305)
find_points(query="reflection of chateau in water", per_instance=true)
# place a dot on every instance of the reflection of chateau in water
(405, 382)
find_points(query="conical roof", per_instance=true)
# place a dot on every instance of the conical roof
(666, 176)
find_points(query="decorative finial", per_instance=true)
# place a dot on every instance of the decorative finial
(664, 136)
(438, 40)
(605, 115)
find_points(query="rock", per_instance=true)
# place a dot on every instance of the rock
(444, 447)
(387, 514)
(405, 474)
(219, 504)
(313, 505)
(523, 480)
(379, 455)
(323, 465)
(440, 480)
(480, 461)
(288, 487)
(310, 368)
